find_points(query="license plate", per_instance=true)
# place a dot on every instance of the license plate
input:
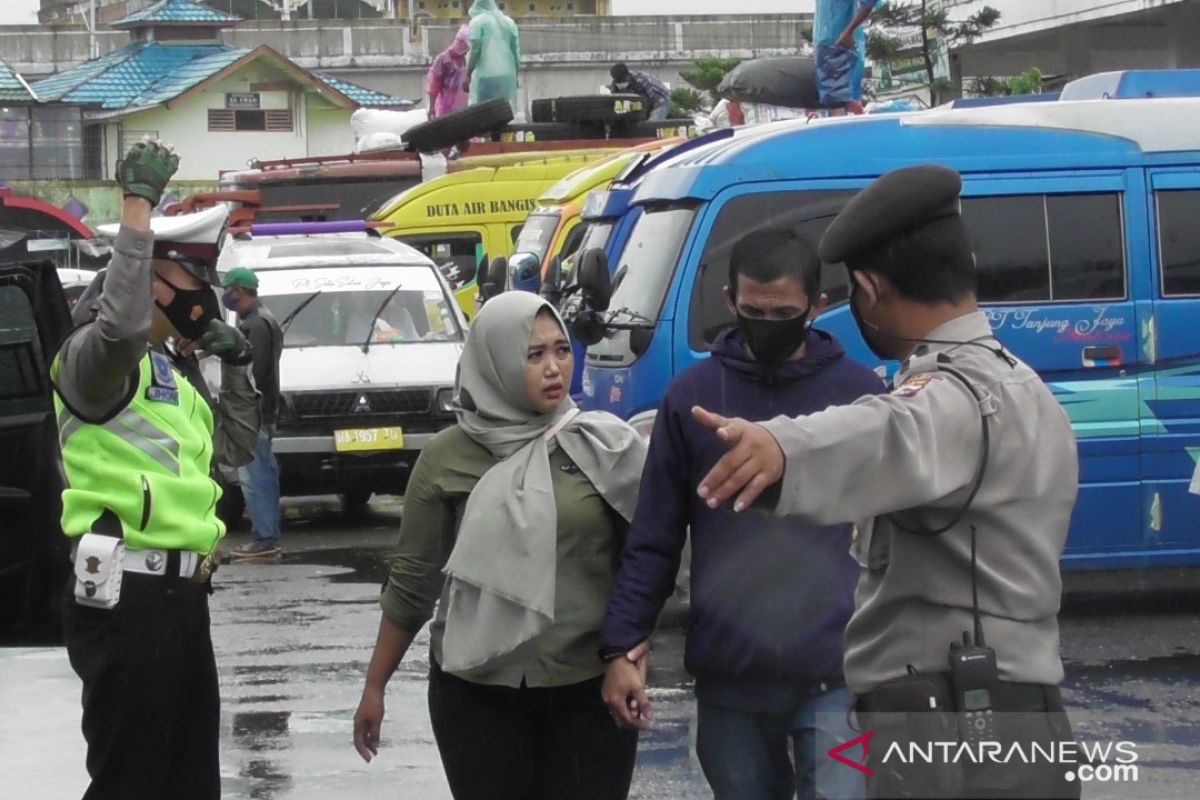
(364, 439)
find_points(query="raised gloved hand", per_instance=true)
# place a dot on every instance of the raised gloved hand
(145, 170)
(227, 342)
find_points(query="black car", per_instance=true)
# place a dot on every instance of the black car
(34, 554)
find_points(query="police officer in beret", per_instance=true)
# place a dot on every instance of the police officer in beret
(137, 440)
(962, 479)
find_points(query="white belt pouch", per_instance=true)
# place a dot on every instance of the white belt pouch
(99, 567)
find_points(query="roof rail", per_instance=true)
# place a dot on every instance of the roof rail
(1135, 84)
(251, 206)
(293, 228)
(1004, 100)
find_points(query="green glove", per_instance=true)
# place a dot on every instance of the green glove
(226, 341)
(145, 170)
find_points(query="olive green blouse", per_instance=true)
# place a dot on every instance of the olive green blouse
(590, 537)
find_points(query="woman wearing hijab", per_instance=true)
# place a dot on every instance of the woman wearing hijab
(495, 54)
(446, 81)
(524, 506)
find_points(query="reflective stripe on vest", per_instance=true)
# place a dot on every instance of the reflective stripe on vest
(134, 430)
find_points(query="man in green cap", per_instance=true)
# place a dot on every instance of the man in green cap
(138, 440)
(259, 478)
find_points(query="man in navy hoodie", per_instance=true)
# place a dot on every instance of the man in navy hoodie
(770, 598)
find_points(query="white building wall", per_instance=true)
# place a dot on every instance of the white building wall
(328, 131)
(204, 154)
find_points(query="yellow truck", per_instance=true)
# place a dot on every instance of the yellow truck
(472, 215)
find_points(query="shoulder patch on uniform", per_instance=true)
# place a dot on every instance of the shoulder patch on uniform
(162, 388)
(914, 384)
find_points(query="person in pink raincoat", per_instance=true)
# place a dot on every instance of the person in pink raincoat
(446, 81)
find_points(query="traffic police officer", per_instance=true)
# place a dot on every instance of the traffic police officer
(137, 442)
(963, 478)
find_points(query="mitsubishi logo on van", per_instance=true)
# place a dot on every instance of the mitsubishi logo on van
(361, 377)
(362, 406)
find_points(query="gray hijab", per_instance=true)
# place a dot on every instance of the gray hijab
(502, 570)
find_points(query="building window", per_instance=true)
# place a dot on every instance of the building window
(1047, 248)
(1179, 241)
(228, 120)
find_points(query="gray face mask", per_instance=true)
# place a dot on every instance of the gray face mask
(622, 86)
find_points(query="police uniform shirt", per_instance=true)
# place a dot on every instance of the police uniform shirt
(916, 451)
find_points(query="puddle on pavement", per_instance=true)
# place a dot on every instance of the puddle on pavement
(368, 564)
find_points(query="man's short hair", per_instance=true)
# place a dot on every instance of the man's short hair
(931, 263)
(767, 255)
(619, 73)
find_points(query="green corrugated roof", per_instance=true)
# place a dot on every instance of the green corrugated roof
(176, 12)
(13, 88)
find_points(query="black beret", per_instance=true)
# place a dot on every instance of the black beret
(894, 204)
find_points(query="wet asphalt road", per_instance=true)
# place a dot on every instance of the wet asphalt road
(293, 639)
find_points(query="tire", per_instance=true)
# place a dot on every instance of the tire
(601, 108)
(452, 129)
(661, 129)
(231, 508)
(549, 132)
(543, 110)
(356, 502)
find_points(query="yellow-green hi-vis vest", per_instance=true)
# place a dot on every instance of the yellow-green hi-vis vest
(148, 464)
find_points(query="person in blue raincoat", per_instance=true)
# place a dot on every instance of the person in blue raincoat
(841, 42)
(495, 54)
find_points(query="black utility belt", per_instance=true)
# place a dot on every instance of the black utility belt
(933, 691)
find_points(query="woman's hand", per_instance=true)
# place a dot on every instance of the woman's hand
(624, 689)
(367, 721)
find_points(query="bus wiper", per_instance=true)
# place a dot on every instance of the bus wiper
(366, 346)
(283, 326)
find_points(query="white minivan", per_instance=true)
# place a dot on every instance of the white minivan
(372, 337)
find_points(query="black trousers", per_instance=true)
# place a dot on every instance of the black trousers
(499, 743)
(1039, 718)
(151, 708)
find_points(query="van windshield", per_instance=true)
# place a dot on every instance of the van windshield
(536, 235)
(597, 235)
(648, 261)
(338, 318)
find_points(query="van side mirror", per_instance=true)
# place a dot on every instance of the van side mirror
(594, 280)
(494, 279)
(552, 286)
(588, 328)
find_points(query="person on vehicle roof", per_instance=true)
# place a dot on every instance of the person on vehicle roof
(650, 88)
(841, 42)
(138, 437)
(495, 54)
(446, 80)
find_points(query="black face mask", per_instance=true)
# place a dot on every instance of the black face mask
(870, 332)
(190, 310)
(773, 340)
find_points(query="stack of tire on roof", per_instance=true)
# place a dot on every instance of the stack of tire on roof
(615, 116)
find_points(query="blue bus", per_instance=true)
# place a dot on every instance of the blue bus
(1085, 217)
